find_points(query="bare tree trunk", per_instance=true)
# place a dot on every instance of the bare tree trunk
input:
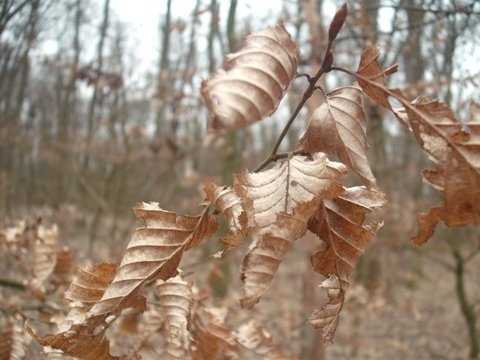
(467, 308)
(14, 92)
(9, 11)
(163, 69)
(412, 50)
(313, 14)
(212, 66)
(230, 156)
(312, 9)
(229, 151)
(95, 101)
(67, 108)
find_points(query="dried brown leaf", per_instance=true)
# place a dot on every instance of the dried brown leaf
(80, 341)
(89, 284)
(338, 128)
(293, 181)
(279, 202)
(339, 223)
(151, 321)
(256, 339)
(44, 256)
(371, 77)
(263, 259)
(454, 148)
(256, 79)
(327, 318)
(226, 201)
(176, 300)
(154, 252)
(213, 339)
(14, 341)
(12, 239)
(62, 272)
(148, 337)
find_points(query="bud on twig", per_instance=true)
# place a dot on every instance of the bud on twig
(337, 22)
(329, 60)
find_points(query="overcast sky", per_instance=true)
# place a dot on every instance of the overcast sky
(143, 19)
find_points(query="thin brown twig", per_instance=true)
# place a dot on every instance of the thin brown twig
(312, 85)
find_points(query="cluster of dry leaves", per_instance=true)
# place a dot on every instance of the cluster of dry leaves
(273, 208)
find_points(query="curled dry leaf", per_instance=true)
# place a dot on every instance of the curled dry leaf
(256, 339)
(150, 323)
(278, 203)
(226, 201)
(263, 259)
(154, 252)
(213, 339)
(454, 148)
(176, 301)
(44, 256)
(12, 239)
(149, 337)
(89, 283)
(338, 127)
(339, 223)
(255, 81)
(81, 341)
(14, 342)
(62, 272)
(292, 181)
(327, 318)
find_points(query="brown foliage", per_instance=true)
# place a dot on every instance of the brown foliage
(256, 79)
(176, 298)
(452, 146)
(256, 339)
(278, 202)
(338, 127)
(272, 207)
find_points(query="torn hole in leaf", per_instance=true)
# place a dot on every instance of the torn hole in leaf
(394, 103)
(310, 236)
(98, 330)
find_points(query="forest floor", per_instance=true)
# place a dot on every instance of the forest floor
(410, 310)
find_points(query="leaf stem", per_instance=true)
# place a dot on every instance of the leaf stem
(325, 67)
(339, 68)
